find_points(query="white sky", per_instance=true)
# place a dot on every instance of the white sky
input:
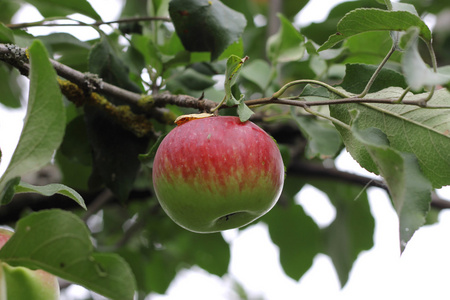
(421, 272)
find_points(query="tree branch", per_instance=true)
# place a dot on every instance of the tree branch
(12, 212)
(50, 22)
(316, 170)
(153, 104)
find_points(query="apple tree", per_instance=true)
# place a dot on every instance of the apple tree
(78, 190)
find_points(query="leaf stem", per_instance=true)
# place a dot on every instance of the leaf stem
(335, 91)
(377, 71)
(403, 95)
(333, 120)
(213, 110)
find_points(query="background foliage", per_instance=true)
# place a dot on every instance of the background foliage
(313, 89)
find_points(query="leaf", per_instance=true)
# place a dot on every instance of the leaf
(75, 145)
(8, 11)
(51, 189)
(9, 87)
(372, 19)
(257, 71)
(358, 75)
(294, 232)
(206, 25)
(189, 80)
(148, 50)
(147, 158)
(8, 190)
(208, 251)
(323, 140)
(423, 132)
(369, 48)
(6, 34)
(237, 48)
(44, 123)
(352, 230)
(244, 112)
(417, 73)
(181, 249)
(287, 44)
(56, 8)
(409, 189)
(67, 49)
(104, 62)
(115, 149)
(319, 32)
(234, 67)
(58, 242)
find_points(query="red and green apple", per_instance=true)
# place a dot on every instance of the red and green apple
(217, 173)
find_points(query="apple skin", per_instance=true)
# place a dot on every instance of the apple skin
(217, 173)
(19, 283)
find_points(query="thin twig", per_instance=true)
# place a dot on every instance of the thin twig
(310, 170)
(49, 22)
(104, 197)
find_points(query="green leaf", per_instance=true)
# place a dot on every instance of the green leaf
(148, 50)
(372, 19)
(257, 71)
(104, 62)
(287, 44)
(147, 158)
(423, 132)
(8, 10)
(369, 48)
(352, 230)
(189, 80)
(358, 75)
(6, 35)
(319, 32)
(417, 73)
(75, 145)
(409, 189)
(44, 123)
(8, 190)
(234, 67)
(115, 149)
(294, 232)
(51, 189)
(56, 8)
(9, 87)
(68, 50)
(237, 48)
(59, 242)
(181, 249)
(323, 139)
(206, 25)
(244, 112)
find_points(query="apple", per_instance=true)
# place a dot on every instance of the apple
(217, 173)
(19, 283)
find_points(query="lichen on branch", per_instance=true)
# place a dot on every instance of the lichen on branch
(139, 124)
